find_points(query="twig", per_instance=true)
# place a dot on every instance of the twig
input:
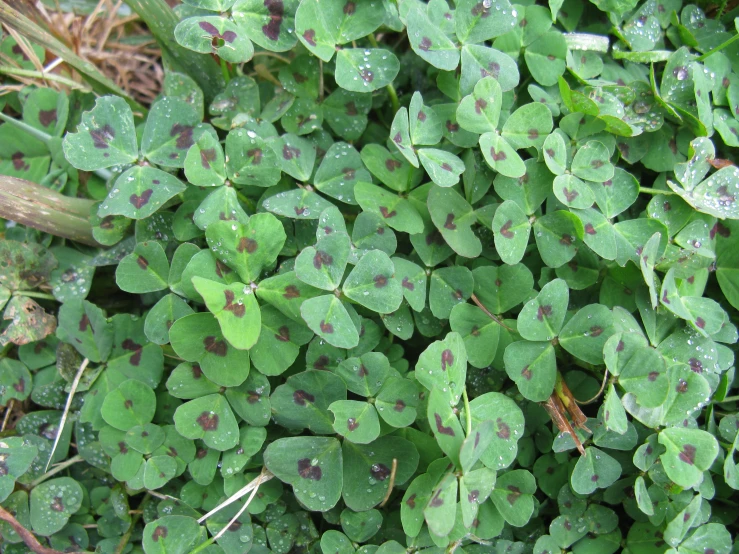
(556, 411)
(68, 405)
(600, 391)
(8, 411)
(488, 313)
(392, 483)
(265, 476)
(57, 468)
(28, 537)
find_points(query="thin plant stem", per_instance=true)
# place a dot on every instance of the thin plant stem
(28, 538)
(649, 190)
(56, 469)
(390, 88)
(718, 48)
(597, 395)
(266, 54)
(728, 399)
(467, 414)
(392, 483)
(33, 294)
(262, 478)
(45, 76)
(23, 126)
(8, 411)
(488, 313)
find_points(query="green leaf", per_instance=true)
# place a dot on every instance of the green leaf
(365, 69)
(453, 217)
(430, 42)
(513, 496)
(312, 465)
(479, 112)
(105, 137)
(323, 266)
(132, 403)
(545, 58)
(479, 332)
(52, 504)
(443, 167)
(594, 470)
(445, 425)
(235, 308)
(171, 534)
(542, 317)
(557, 235)
(501, 156)
(250, 160)
(689, 453)
(217, 35)
(443, 366)
(249, 248)
(139, 192)
(279, 342)
(146, 269)
(397, 212)
(84, 326)
(268, 25)
(210, 419)
(591, 162)
(441, 507)
(511, 228)
(171, 129)
(528, 126)
(198, 338)
(357, 421)
(340, 172)
(328, 318)
(533, 367)
(473, 23)
(586, 333)
(425, 124)
(373, 285)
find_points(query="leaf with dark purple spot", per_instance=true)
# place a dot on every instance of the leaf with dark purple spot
(205, 162)
(513, 496)
(586, 333)
(533, 367)
(528, 126)
(592, 162)
(279, 342)
(52, 503)
(594, 470)
(139, 192)
(323, 265)
(365, 69)
(217, 35)
(175, 534)
(372, 283)
(105, 137)
(442, 505)
(208, 418)
(328, 317)
(357, 421)
(172, 127)
(443, 366)
(429, 41)
(511, 229)
(689, 453)
(268, 23)
(132, 403)
(146, 269)
(542, 317)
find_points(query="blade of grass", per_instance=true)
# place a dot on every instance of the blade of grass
(99, 82)
(162, 21)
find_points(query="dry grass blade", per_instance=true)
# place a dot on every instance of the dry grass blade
(241, 511)
(68, 405)
(263, 477)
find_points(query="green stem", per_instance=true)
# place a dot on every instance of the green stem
(14, 71)
(56, 469)
(225, 71)
(25, 127)
(390, 88)
(32, 294)
(127, 536)
(648, 190)
(728, 399)
(718, 48)
(467, 413)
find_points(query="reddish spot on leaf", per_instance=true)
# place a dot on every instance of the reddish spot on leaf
(380, 281)
(349, 8)
(653, 375)
(351, 424)
(504, 431)
(308, 471)
(184, 136)
(441, 428)
(101, 137)
(300, 79)
(550, 57)
(597, 164)
(566, 240)
(480, 9)
(84, 323)
(480, 105)
(596, 331)
(493, 70)
(290, 152)
(392, 164)
(449, 223)
(386, 214)
(238, 310)
(399, 405)
(283, 334)
(411, 502)
(217, 347)
(256, 155)
(425, 44)
(533, 134)
(291, 291)
(436, 501)
(545, 310)
(688, 454)
(514, 495)
(326, 328)
(570, 195)
(590, 230)
(247, 245)
(526, 372)
(379, 472)
(300, 396)
(310, 36)
(367, 76)
(134, 347)
(505, 230)
(451, 126)
(421, 116)
(447, 359)
(47, 117)
(351, 108)
(322, 258)
(682, 386)
(446, 167)
(159, 533)
(664, 297)
(497, 156)
(142, 262)
(20, 386)
(696, 366)
(276, 10)
(140, 201)
(700, 323)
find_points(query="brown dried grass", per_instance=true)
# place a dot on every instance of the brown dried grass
(121, 47)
